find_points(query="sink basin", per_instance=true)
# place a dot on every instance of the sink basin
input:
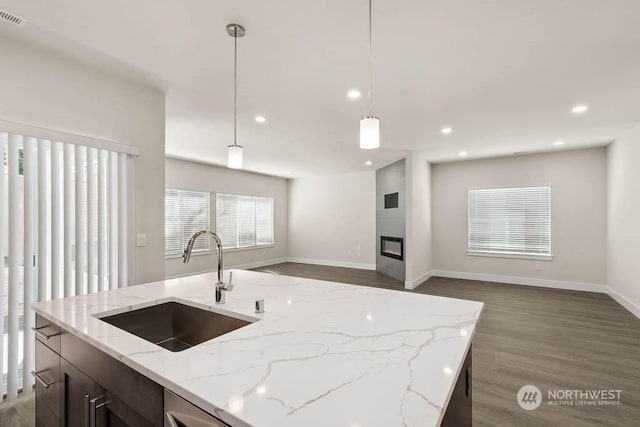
(175, 326)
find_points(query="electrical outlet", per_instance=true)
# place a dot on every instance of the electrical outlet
(538, 267)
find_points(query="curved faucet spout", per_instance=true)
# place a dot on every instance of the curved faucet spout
(186, 256)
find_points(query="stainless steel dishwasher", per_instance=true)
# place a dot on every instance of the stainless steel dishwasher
(180, 413)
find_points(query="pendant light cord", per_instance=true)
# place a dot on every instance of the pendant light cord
(370, 52)
(235, 83)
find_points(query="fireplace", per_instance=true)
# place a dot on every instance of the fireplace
(392, 247)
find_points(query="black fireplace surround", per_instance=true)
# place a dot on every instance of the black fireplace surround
(392, 247)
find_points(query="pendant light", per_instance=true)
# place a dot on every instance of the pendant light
(234, 151)
(370, 124)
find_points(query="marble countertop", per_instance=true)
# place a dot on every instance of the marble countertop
(322, 354)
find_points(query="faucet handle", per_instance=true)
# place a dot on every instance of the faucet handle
(229, 286)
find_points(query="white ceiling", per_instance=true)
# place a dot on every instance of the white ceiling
(503, 73)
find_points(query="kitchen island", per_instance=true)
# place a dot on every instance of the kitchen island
(321, 354)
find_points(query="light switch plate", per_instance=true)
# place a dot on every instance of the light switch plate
(141, 240)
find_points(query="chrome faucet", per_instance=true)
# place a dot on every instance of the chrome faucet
(221, 287)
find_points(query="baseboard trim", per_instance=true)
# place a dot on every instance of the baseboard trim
(527, 281)
(624, 301)
(412, 284)
(332, 263)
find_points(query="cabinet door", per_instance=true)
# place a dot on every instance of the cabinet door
(77, 391)
(139, 392)
(87, 404)
(112, 412)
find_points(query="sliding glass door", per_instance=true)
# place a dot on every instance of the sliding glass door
(63, 232)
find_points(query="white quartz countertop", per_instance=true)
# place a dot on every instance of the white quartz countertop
(322, 354)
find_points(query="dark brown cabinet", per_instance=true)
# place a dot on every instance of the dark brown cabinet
(77, 386)
(77, 390)
(86, 403)
(47, 375)
(459, 410)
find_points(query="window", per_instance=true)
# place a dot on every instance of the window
(244, 221)
(510, 222)
(185, 212)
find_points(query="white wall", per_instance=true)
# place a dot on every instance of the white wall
(623, 214)
(578, 213)
(185, 175)
(332, 219)
(44, 90)
(419, 238)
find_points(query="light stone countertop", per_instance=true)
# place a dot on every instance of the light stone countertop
(322, 354)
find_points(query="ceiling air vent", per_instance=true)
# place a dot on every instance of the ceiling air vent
(14, 19)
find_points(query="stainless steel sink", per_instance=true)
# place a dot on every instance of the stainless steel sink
(175, 326)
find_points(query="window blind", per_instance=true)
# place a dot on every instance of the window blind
(244, 221)
(186, 212)
(57, 230)
(510, 221)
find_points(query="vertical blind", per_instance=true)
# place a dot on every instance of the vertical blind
(185, 212)
(244, 221)
(63, 232)
(510, 221)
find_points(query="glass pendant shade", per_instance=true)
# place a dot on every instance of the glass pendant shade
(234, 157)
(369, 133)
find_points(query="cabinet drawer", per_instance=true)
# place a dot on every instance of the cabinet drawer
(48, 333)
(47, 380)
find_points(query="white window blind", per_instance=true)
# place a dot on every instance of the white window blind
(185, 212)
(56, 234)
(510, 221)
(244, 221)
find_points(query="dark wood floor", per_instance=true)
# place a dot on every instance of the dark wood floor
(553, 339)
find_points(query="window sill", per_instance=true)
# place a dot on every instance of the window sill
(511, 255)
(248, 248)
(174, 256)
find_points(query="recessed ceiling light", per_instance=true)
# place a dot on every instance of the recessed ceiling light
(354, 94)
(558, 143)
(446, 130)
(579, 109)
(368, 163)
(462, 153)
(261, 119)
